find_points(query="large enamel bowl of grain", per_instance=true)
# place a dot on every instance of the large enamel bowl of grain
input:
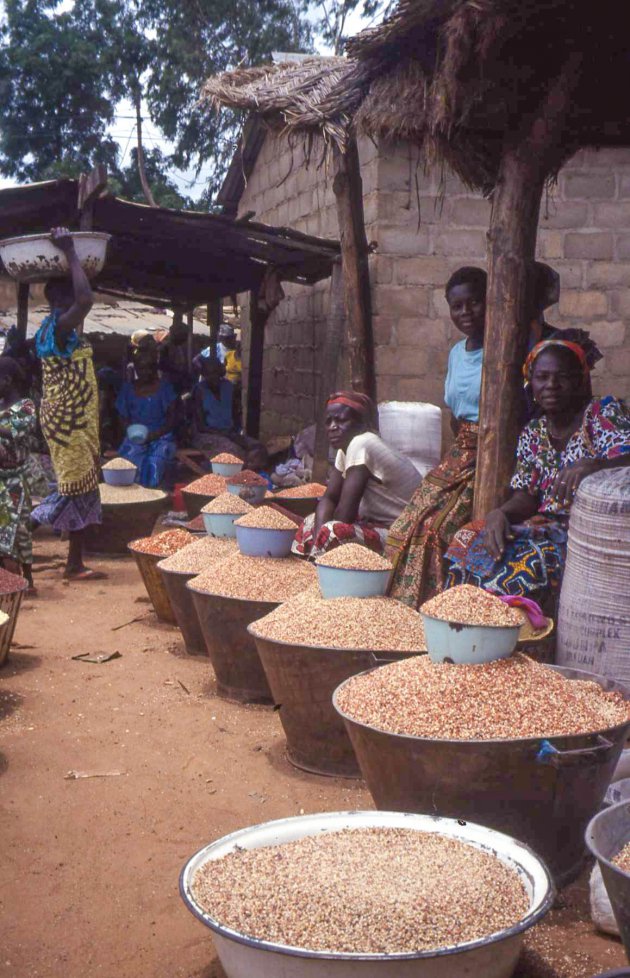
(607, 834)
(543, 791)
(35, 258)
(226, 469)
(258, 541)
(492, 956)
(449, 641)
(345, 582)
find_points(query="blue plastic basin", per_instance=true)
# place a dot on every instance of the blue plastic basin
(343, 582)
(255, 541)
(220, 524)
(120, 477)
(137, 434)
(448, 640)
(226, 469)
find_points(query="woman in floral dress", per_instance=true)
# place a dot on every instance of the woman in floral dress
(520, 548)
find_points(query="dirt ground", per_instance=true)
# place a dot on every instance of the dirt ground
(89, 866)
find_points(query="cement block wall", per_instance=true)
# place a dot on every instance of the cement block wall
(426, 225)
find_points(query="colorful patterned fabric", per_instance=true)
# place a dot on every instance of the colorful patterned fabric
(17, 424)
(69, 410)
(69, 513)
(418, 539)
(333, 534)
(533, 560)
(152, 459)
(604, 433)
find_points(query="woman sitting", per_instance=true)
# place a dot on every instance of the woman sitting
(419, 537)
(520, 549)
(368, 487)
(215, 431)
(151, 402)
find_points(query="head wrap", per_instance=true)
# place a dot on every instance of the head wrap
(361, 403)
(575, 348)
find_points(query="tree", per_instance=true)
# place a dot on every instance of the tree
(331, 18)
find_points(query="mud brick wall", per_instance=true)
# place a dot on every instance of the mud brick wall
(426, 225)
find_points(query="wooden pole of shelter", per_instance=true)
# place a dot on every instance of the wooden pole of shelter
(23, 290)
(214, 314)
(528, 159)
(330, 359)
(189, 339)
(91, 185)
(257, 320)
(359, 342)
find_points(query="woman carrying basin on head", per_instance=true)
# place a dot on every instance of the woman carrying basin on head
(368, 487)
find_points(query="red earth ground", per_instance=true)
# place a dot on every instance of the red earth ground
(89, 866)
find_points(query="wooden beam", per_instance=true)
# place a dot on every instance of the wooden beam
(189, 339)
(333, 340)
(213, 318)
(348, 190)
(23, 289)
(529, 158)
(90, 187)
(257, 320)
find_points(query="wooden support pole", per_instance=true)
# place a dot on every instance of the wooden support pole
(23, 289)
(529, 157)
(257, 321)
(91, 185)
(328, 378)
(348, 190)
(214, 314)
(189, 339)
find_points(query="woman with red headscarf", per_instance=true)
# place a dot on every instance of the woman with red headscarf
(520, 548)
(368, 488)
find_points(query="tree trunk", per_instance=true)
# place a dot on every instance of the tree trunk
(348, 189)
(146, 189)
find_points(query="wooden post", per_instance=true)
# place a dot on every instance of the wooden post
(189, 339)
(23, 289)
(213, 318)
(257, 320)
(348, 189)
(330, 360)
(90, 186)
(528, 159)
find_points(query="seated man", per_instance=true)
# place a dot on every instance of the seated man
(215, 431)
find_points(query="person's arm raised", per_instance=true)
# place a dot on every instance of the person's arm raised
(73, 317)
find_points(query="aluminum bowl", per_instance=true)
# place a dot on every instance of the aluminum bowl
(120, 477)
(452, 642)
(34, 257)
(494, 956)
(256, 541)
(343, 582)
(298, 505)
(607, 833)
(220, 524)
(226, 469)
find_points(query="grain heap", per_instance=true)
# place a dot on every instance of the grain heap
(375, 624)
(467, 605)
(162, 544)
(506, 699)
(198, 556)
(622, 859)
(11, 582)
(246, 478)
(257, 578)
(118, 464)
(310, 490)
(128, 495)
(207, 485)
(337, 892)
(228, 504)
(352, 556)
(224, 458)
(266, 518)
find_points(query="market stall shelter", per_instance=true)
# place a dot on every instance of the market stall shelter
(502, 92)
(184, 259)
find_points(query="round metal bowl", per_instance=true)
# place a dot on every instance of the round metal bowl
(494, 956)
(119, 477)
(343, 582)
(256, 541)
(194, 502)
(606, 835)
(448, 641)
(298, 505)
(220, 524)
(253, 494)
(226, 469)
(34, 257)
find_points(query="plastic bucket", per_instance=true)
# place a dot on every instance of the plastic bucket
(10, 603)
(220, 524)
(303, 680)
(183, 607)
(448, 641)
(255, 541)
(494, 956)
(226, 469)
(232, 650)
(341, 582)
(154, 583)
(542, 791)
(606, 835)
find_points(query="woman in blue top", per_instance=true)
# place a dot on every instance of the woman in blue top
(149, 401)
(215, 431)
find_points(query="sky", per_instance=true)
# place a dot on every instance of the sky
(124, 131)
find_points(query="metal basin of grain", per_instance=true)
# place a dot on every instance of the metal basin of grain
(541, 791)
(194, 502)
(12, 588)
(122, 523)
(606, 836)
(298, 505)
(154, 583)
(223, 623)
(183, 608)
(494, 956)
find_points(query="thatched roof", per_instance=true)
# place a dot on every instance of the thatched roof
(456, 77)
